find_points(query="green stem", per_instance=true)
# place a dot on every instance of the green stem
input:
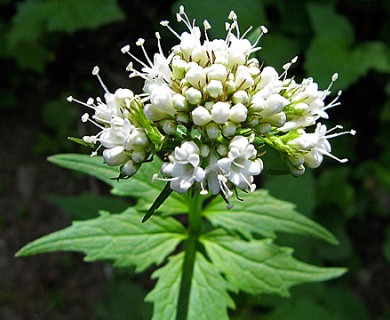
(194, 230)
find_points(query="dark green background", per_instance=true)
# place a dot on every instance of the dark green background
(48, 49)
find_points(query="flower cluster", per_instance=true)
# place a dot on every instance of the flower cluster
(212, 108)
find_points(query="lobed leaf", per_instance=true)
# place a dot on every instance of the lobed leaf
(263, 214)
(139, 186)
(118, 237)
(260, 266)
(209, 299)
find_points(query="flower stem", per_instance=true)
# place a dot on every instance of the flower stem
(194, 230)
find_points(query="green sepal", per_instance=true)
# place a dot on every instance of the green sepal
(139, 119)
(82, 142)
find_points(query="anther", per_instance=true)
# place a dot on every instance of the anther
(95, 70)
(125, 49)
(85, 117)
(140, 42)
(264, 29)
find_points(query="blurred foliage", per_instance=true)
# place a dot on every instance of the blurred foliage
(48, 46)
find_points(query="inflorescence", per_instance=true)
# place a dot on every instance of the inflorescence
(213, 109)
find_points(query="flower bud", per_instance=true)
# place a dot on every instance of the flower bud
(179, 102)
(138, 156)
(230, 86)
(178, 67)
(136, 139)
(274, 104)
(276, 120)
(201, 116)
(222, 150)
(217, 72)
(263, 127)
(229, 129)
(240, 96)
(215, 88)
(168, 126)
(115, 156)
(194, 96)
(212, 130)
(182, 117)
(268, 75)
(199, 55)
(220, 112)
(243, 79)
(196, 76)
(238, 113)
(204, 151)
(129, 168)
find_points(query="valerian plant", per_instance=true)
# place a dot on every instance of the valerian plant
(212, 110)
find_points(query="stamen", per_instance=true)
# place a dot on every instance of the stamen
(158, 36)
(351, 132)
(165, 23)
(184, 18)
(333, 156)
(207, 26)
(90, 106)
(95, 72)
(140, 42)
(246, 32)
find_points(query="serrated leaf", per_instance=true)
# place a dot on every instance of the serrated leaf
(121, 238)
(87, 205)
(260, 266)
(263, 214)
(209, 299)
(139, 186)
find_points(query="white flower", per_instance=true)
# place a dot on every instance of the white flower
(316, 145)
(161, 105)
(241, 164)
(184, 167)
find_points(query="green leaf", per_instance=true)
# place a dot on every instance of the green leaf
(259, 266)
(116, 305)
(139, 186)
(118, 237)
(333, 50)
(27, 24)
(86, 205)
(263, 214)
(73, 15)
(209, 299)
(298, 190)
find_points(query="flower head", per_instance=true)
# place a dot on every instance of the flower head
(211, 106)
